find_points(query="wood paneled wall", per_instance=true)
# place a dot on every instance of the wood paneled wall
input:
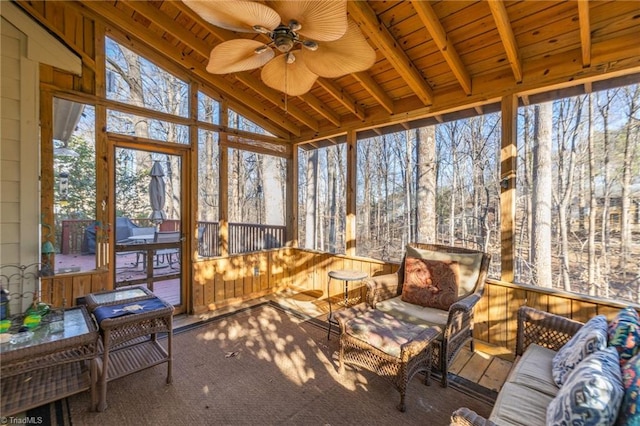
(223, 281)
(495, 314)
(64, 290)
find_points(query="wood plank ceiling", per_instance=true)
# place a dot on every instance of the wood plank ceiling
(436, 60)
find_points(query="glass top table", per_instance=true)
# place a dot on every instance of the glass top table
(129, 294)
(73, 323)
(59, 355)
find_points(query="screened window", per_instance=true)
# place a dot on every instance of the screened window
(322, 196)
(237, 121)
(257, 200)
(208, 193)
(577, 217)
(134, 80)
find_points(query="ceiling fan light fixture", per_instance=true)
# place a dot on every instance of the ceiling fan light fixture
(261, 49)
(294, 25)
(291, 58)
(260, 29)
(310, 44)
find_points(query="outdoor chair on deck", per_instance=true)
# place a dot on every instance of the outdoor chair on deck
(441, 285)
(169, 255)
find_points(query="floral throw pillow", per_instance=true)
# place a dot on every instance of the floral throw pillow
(430, 283)
(624, 334)
(592, 394)
(592, 337)
(630, 410)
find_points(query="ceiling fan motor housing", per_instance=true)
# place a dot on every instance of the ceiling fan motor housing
(283, 38)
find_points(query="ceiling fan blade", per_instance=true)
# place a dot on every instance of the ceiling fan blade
(352, 53)
(237, 55)
(238, 16)
(320, 20)
(294, 79)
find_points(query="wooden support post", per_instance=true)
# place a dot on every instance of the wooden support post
(352, 158)
(508, 164)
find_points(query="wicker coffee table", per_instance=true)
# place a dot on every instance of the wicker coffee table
(50, 364)
(129, 321)
(391, 348)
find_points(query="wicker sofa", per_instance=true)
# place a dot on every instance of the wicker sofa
(530, 388)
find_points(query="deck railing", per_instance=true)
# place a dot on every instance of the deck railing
(243, 237)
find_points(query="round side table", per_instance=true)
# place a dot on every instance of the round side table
(345, 275)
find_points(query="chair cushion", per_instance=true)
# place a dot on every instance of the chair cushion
(533, 370)
(413, 313)
(592, 393)
(430, 283)
(468, 266)
(520, 405)
(629, 414)
(382, 331)
(624, 334)
(592, 337)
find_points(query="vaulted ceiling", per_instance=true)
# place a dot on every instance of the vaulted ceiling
(435, 60)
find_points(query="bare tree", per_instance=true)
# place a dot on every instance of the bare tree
(426, 184)
(569, 120)
(311, 199)
(632, 101)
(542, 184)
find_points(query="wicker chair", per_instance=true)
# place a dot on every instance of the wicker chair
(458, 329)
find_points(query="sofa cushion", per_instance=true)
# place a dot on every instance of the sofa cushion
(592, 393)
(629, 414)
(430, 283)
(533, 370)
(624, 334)
(414, 313)
(590, 338)
(468, 266)
(520, 405)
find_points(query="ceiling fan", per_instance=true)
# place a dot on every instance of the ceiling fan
(309, 39)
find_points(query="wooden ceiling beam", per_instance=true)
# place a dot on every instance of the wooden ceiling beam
(115, 17)
(318, 106)
(434, 26)
(374, 90)
(341, 96)
(499, 12)
(275, 97)
(366, 18)
(585, 31)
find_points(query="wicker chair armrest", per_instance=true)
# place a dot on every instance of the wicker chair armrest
(460, 314)
(545, 329)
(381, 288)
(466, 417)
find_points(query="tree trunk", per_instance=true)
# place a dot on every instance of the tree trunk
(593, 206)
(311, 201)
(632, 100)
(542, 187)
(426, 184)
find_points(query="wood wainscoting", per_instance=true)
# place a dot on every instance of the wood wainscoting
(64, 290)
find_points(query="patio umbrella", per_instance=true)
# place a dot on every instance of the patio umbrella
(157, 194)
